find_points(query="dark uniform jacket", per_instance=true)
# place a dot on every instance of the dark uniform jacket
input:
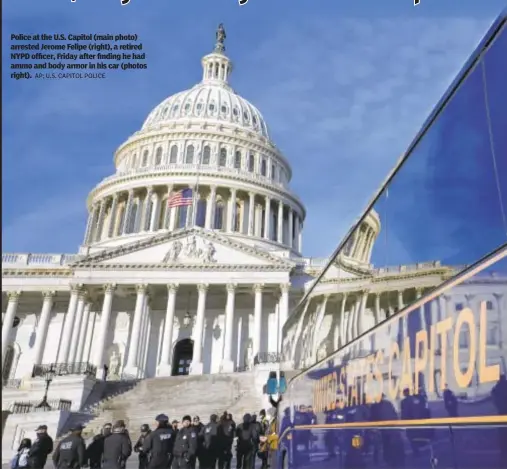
(70, 453)
(159, 445)
(117, 449)
(40, 450)
(95, 450)
(228, 431)
(186, 443)
(210, 437)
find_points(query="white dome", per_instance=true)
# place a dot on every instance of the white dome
(209, 102)
(212, 99)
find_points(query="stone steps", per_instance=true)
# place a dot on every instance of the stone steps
(176, 396)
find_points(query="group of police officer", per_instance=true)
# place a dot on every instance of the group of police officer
(172, 445)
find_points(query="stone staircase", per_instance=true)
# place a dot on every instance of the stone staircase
(175, 396)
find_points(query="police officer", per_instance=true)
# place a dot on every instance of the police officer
(140, 448)
(175, 425)
(96, 447)
(198, 426)
(185, 446)
(210, 444)
(117, 447)
(159, 444)
(70, 453)
(227, 432)
(41, 448)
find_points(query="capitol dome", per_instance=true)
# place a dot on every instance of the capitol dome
(210, 140)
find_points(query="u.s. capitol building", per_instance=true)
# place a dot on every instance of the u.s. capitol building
(157, 291)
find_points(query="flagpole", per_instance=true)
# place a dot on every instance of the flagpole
(195, 194)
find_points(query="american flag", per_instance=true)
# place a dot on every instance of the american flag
(180, 198)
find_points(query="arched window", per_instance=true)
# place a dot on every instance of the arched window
(273, 172)
(251, 162)
(145, 158)
(237, 219)
(8, 362)
(158, 157)
(263, 167)
(206, 155)
(237, 160)
(182, 216)
(200, 219)
(162, 213)
(173, 158)
(189, 159)
(223, 157)
(347, 249)
(121, 218)
(134, 160)
(219, 215)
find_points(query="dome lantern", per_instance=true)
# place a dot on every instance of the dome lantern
(216, 66)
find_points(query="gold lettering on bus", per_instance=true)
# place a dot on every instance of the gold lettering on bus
(361, 380)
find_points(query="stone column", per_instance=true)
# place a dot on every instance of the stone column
(257, 319)
(164, 367)
(12, 306)
(210, 208)
(350, 320)
(69, 324)
(147, 200)
(360, 317)
(296, 232)
(227, 362)
(131, 366)
(168, 210)
(251, 214)
(128, 211)
(104, 328)
(342, 341)
(83, 333)
(402, 321)
(100, 221)
(377, 309)
(231, 212)
(284, 304)
(291, 227)
(154, 212)
(196, 367)
(111, 230)
(89, 225)
(280, 222)
(81, 300)
(267, 218)
(42, 329)
(422, 317)
(143, 337)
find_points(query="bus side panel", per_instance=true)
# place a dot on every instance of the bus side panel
(443, 362)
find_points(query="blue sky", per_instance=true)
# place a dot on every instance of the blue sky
(343, 86)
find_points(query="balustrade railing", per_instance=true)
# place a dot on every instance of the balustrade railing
(63, 369)
(28, 407)
(267, 357)
(42, 259)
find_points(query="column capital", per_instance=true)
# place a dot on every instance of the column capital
(115, 196)
(258, 287)
(130, 192)
(172, 287)
(170, 188)
(149, 189)
(267, 198)
(76, 288)
(213, 187)
(48, 294)
(103, 203)
(82, 295)
(109, 287)
(364, 291)
(141, 288)
(251, 194)
(202, 287)
(233, 190)
(231, 287)
(13, 295)
(285, 287)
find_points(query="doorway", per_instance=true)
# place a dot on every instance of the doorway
(182, 358)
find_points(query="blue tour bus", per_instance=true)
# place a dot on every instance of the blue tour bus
(417, 379)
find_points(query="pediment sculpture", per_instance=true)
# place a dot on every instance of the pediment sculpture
(194, 249)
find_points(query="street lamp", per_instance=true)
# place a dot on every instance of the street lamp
(44, 403)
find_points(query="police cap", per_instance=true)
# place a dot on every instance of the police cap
(145, 428)
(186, 417)
(161, 418)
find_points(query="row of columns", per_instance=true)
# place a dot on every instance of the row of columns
(148, 216)
(75, 328)
(361, 245)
